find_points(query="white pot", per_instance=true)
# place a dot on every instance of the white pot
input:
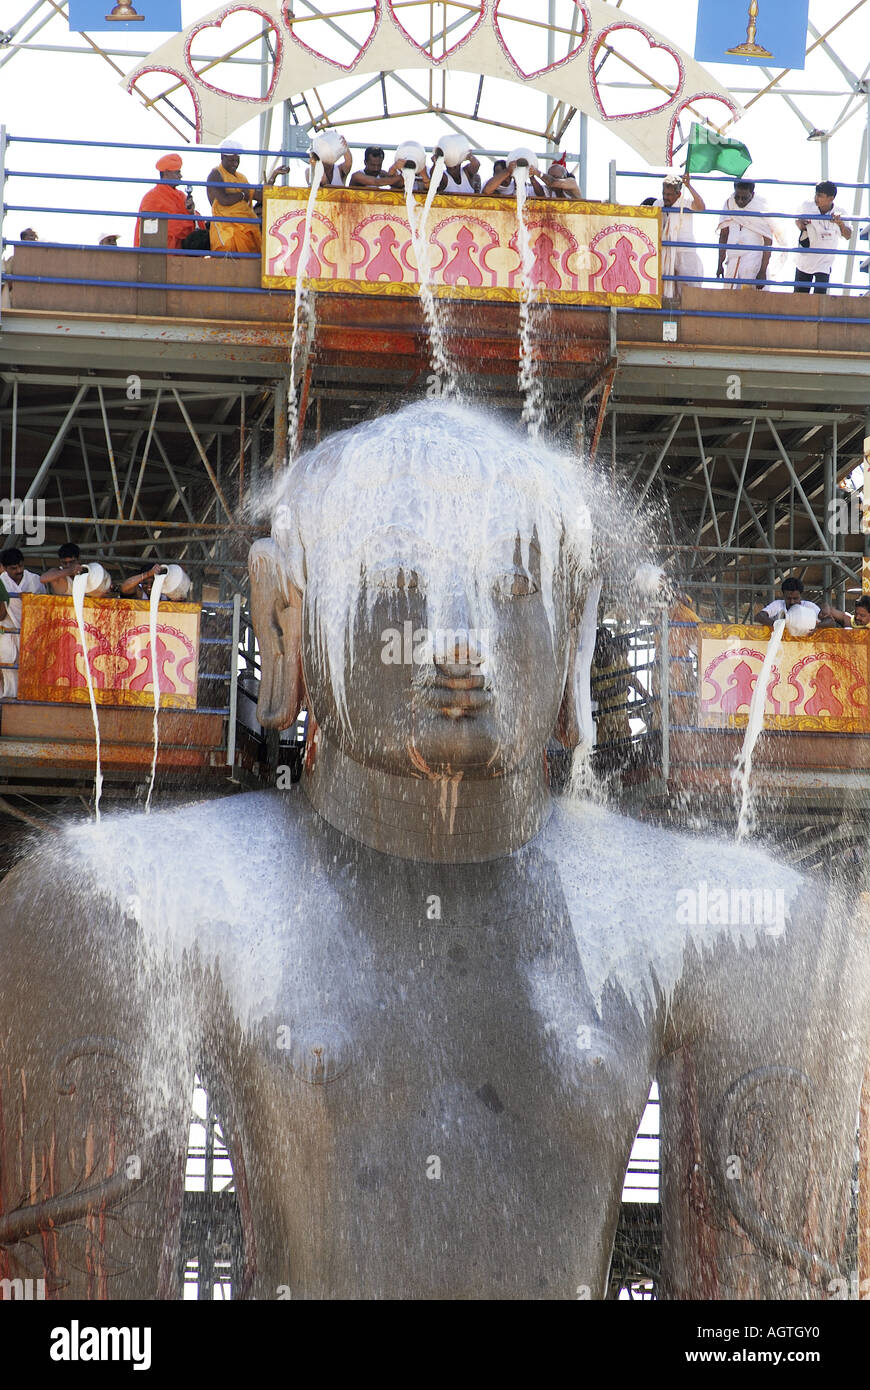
(523, 156)
(99, 580)
(455, 149)
(800, 621)
(176, 583)
(328, 147)
(411, 153)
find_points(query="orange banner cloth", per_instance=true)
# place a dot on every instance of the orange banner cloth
(234, 236)
(583, 253)
(166, 197)
(821, 682)
(52, 665)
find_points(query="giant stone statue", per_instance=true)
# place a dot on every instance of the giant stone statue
(428, 997)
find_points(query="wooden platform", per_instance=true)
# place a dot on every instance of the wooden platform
(56, 742)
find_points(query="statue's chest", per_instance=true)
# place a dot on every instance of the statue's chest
(486, 1032)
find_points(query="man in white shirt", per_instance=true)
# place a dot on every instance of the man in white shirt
(681, 262)
(821, 227)
(745, 238)
(17, 581)
(791, 596)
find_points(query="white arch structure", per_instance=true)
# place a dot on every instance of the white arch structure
(481, 49)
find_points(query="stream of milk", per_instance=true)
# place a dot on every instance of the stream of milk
(742, 775)
(530, 383)
(433, 310)
(302, 300)
(154, 604)
(79, 585)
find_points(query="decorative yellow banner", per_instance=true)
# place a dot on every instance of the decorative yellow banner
(584, 253)
(820, 682)
(52, 664)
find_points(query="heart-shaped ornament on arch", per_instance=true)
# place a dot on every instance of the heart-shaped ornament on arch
(708, 108)
(153, 83)
(628, 53)
(437, 28)
(532, 45)
(336, 31)
(236, 32)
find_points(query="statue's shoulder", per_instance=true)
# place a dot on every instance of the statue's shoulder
(640, 895)
(211, 856)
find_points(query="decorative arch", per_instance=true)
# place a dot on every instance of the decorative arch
(482, 50)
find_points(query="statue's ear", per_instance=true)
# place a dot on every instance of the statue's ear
(276, 612)
(575, 724)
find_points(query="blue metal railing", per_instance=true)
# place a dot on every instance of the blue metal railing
(776, 215)
(765, 311)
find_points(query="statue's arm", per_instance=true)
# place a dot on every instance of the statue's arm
(759, 1099)
(95, 1086)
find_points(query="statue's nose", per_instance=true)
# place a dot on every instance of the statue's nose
(457, 646)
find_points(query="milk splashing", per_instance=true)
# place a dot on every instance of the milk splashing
(640, 944)
(438, 490)
(530, 383)
(582, 781)
(302, 301)
(79, 585)
(433, 309)
(742, 774)
(198, 904)
(154, 604)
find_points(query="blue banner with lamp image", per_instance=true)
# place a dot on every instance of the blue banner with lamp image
(88, 15)
(760, 32)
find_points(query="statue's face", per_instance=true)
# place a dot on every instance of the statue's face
(457, 667)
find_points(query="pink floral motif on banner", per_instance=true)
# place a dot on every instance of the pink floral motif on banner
(627, 260)
(289, 230)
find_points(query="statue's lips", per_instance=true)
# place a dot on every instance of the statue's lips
(458, 696)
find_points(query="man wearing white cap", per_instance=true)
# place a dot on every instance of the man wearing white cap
(233, 197)
(681, 262)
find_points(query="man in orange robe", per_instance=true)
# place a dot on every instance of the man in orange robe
(232, 196)
(165, 197)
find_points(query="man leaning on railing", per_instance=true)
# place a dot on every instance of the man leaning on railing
(835, 617)
(821, 226)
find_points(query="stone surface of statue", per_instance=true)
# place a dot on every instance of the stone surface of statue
(429, 999)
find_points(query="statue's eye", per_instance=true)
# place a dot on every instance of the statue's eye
(515, 583)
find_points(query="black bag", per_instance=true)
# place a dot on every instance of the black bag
(197, 241)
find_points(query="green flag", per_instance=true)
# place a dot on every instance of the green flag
(708, 151)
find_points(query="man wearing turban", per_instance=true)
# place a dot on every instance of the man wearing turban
(167, 197)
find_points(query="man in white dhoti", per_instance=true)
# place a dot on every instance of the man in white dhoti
(17, 581)
(745, 239)
(679, 200)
